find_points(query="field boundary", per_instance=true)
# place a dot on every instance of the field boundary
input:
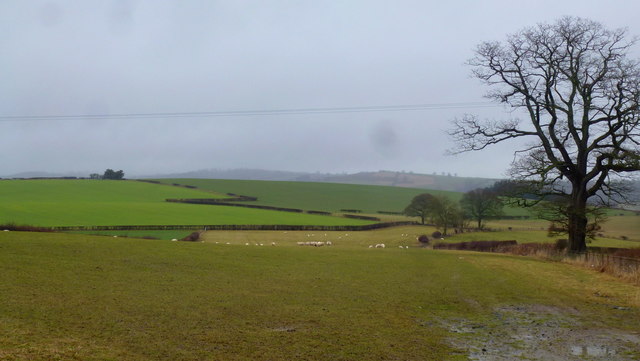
(226, 202)
(232, 227)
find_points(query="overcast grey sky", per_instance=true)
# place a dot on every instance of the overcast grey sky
(116, 57)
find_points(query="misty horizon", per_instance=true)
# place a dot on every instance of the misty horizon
(238, 85)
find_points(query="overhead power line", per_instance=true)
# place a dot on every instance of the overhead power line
(233, 113)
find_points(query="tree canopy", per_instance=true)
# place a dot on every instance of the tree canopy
(480, 204)
(111, 174)
(579, 92)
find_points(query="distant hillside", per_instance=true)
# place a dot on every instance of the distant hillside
(242, 174)
(413, 180)
(383, 178)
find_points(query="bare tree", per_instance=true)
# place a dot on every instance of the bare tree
(580, 92)
(481, 203)
(421, 206)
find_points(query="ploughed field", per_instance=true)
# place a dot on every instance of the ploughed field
(79, 297)
(103, 202)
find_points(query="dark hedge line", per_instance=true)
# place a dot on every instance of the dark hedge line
(351, 210)
(481, 246)
(149, 181)
(323, 213)
(232, 227)
(224, 202)
(390, 212)
(366, 218)
(23, 228)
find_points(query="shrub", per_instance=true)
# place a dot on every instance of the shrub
(628, 253)
(193, 237)
(436, 234)
(480, 246)
(562, 244)
(423, 239)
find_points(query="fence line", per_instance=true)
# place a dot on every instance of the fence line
(233, 227)
(625, 264)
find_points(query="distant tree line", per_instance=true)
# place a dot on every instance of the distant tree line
(477, 205)
(108, 174)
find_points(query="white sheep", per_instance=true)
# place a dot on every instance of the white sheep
(329, 243)
(273, 243)
(370, 246)
(380, 245)
(174, 240)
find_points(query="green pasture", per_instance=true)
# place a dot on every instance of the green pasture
(101, 202)
(78, 297)
(329, 197)
(392, 237)
(157, 234)
(621, 227)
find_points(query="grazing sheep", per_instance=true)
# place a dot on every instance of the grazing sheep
(227, 243)
(406, 247)
(329, 243)
(400, 247)
(174, 240)
(315, 244)
(370, 246)
(246, 244)
(273, 243)
(380, 245)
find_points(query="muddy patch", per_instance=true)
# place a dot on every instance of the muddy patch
(538, 332)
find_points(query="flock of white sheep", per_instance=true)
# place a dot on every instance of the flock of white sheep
(320, 243)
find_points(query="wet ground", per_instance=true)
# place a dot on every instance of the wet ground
(537, 332)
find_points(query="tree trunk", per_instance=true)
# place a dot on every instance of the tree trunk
(577, 218)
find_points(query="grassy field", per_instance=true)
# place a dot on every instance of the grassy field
(101, 202)
(392, 237)
(622, 227)
(330, 197)
(78, 297)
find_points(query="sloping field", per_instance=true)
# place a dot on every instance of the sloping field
(75, 297)
(102, 202)
(330, 197)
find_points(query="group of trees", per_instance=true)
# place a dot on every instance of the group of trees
(108, 174)
(477, 205)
